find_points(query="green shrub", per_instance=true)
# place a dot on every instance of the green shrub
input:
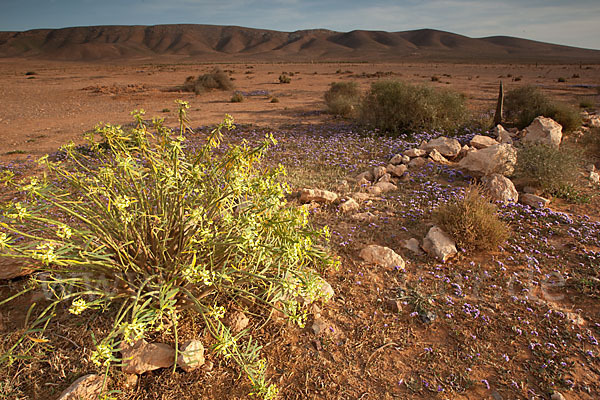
(217, 79)
(524, 104)
(283, 78)
(237, 97)
(472, 221)
(546, 167)
(142, 230)
(342, 98)
(395, 106)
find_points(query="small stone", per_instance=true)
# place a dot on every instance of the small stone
(88, 387)
(394, 306)
(378, 172)
(130, 381)
(481, 142)
(237, 321)
(412, 153)
(413, 245)
(447, 147)
(143, 357)
(594, 177)
(534, 201)
(374, 190)
(208, 365)
(438, 244)
(368, 175)
(11, 268)
(435, 156)
(405, 159)
(417, 162)
(363, 182)
(366, 217)
(427, 316)
(594, 121)
(500, 188)
(386, 186)
(397, 159)
(349, 206)
(383, 256)
(317, 195)
(497, 159)
(319, 325)
(358, 196)
(385, 178)
(396, 170)
(557, 396)
(191, 356)
(590, 167)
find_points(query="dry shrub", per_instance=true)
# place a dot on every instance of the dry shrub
(524, 104)
(217, 79)
(546, 167)
(237, 97)
(591, 142)
(472, 221)
(342, 98)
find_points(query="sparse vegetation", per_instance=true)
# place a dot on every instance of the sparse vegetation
(217, 79)
(237, 97)
(274, 99)
(394, 106)
(284, 78)
(561, 80)
(472, 221)
(586, 103)
(524, 104)
(29, 73)
(342, 98)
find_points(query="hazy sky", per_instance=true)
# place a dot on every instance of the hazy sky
(570, 22)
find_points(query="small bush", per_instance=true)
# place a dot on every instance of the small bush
(397, 107)
(591, 142)
(342, 98)
(237, 97)
(561, 80)
(435, 78)
(472, 221)
(586, 103)
(546, 167)
(274, 100)
(166, 110)
(283, 78)
(217, 79)
(29, 73)
(524, 104)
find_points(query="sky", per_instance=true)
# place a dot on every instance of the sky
(569, 22)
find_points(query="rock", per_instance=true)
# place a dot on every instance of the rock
(358, 196)
(412, 153)
(394, 306)
(131, 381)
(502, 135)
(317, 195)
(397, 159)
(349, 205)
(438, 244)
(413, 245)
(437, 157)
(378, 172)
(191, 355)
(405, 177)
(143, 357)
(368, 175)
(342, 186)
(590, 167)
(575, 318)
(405, 159)
(544, 131)
(326, 290)
(11, 268)
(386, 186)
(498, 159)
(557, 396)
(385, 178)
(237, 321)
(88, 387)
(427, 316)
(500, 188)
(482, 142)
(594, 121)
(383, 256)
(594, 177)
(374, 190)
(532, 190)
(397, 170)
(417, 162)
(463, 151)
(534, 201)
(366, 217)
(363, 182)
(319, 325)
(446, 146)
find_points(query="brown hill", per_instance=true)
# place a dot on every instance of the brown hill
(231, 43)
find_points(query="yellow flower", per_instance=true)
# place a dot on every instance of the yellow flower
(78, 306)
(4, 240)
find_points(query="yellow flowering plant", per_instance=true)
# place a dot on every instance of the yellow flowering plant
(138, 223)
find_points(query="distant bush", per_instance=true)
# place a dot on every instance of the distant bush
(586, 103)
(237, 97)
(283, 78)
(472, 221)
(217, 79)
(342, 98)
(274, 100)
(546, 167)
(28, 73)
(591, 142)
(524, 104)
(435, 78)
(395, 106)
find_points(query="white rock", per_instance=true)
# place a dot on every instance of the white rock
(500, 188)
(446, 146)
(317, 195)
(144, 356)
(594, 177)
(349, 205)
(545, 131)
(383, 256)
(397, 159)
(412, 153)
(437, 157)
(534, 201)
(481, 142)
(405, 159)
(386, 186)
(88, 387)
(191, 355)
(497, 159)
(397, 170)
(594, 121)
(438, 244)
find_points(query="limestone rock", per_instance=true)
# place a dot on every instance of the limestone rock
(417, 162)
(363, 182)
(378, 172)
(545, 131)
(358, 196)
(446, 146)
(383, 256)
(481, 142)
(191, 355)
(534, 201)
(594, 121)
(11, 268)
(143, 357)
(412, 153)
(364, 217)
(368, 175)
(500, 188)
(438, 244)
(349, 205)
(437, 157)
(413, 245)
(88, 387)
(386, 186)
(502, 135)
(374, 190)
(498, 159)
(237, 321)
(397, 159)
(317, 195)
(594, 177)
(397, 170)
(385, 178)
(405, 159)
